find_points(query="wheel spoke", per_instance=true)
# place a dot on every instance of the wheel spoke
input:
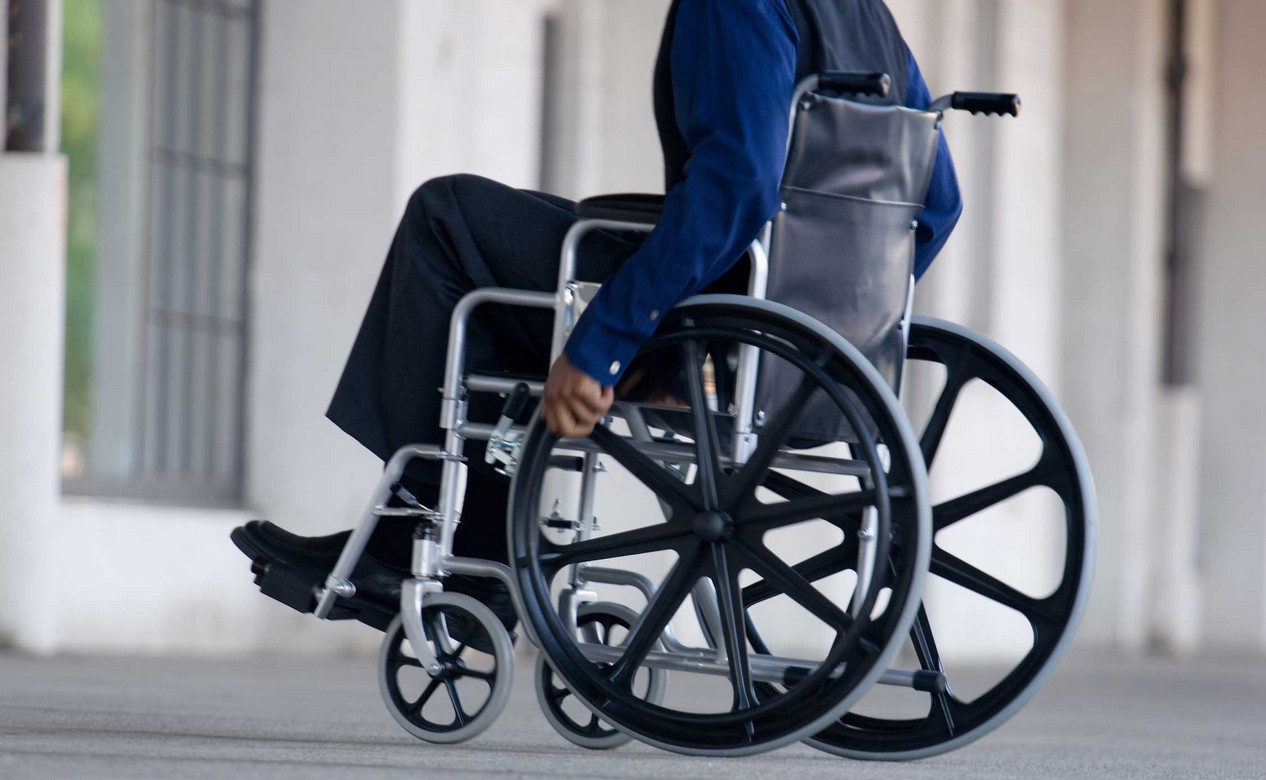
(959, 572)
(425, 697)
(652, 538)
(772, 437)
(646, 632)
(650, 473)
(788, 581)
(930, 659)
(937, 423)
(707, 447)
(837, 559)
(825, 506)
(457, 702)
(924, 643)
(946, 514)
(789, 488)
(730, 600)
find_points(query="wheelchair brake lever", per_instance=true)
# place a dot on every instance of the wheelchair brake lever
(503, 447)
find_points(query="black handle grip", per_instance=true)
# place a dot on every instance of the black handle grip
(995, 103)
(850, 83)
(517, 401)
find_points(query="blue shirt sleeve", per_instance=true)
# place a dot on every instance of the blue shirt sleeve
(734, 67)
(944, 204)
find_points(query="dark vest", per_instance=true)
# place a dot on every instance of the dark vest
(848, 35)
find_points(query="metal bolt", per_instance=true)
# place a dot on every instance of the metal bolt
(760, 416)
(434, 670)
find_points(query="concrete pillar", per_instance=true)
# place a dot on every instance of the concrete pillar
(1231, 373)
(32, 296)
(470, 91)
(360, 105)
(606, 126)
(1113, 212)
(326, 209)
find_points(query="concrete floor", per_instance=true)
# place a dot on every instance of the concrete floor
(171, 718)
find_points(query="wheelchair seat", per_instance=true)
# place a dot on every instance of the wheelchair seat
(625, 207)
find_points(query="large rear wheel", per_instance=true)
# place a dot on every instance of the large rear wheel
(974, 365)
(721, 523)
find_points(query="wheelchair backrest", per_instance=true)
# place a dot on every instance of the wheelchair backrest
(842, 248)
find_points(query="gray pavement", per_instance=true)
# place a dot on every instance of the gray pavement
(173, 718)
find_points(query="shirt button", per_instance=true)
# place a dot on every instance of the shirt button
(615, 367)
(654, 315)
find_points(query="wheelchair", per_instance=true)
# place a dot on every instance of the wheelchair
(774, 527)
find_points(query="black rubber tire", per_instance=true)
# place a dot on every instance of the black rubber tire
(549, 695)
(1063, 468)
(500, 679)
(819, 696)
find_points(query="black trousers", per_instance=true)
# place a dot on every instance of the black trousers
(459, 233)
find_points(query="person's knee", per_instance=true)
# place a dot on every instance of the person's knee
(426, 198)
(440, 193)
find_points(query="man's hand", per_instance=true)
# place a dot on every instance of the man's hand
(573, 402)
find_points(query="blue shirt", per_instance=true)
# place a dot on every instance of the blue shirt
(734, 72)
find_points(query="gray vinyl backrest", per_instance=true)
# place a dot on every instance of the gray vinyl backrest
(843, 246)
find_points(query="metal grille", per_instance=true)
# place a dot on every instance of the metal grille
(200, 164)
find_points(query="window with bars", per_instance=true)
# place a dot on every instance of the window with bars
(171, 326)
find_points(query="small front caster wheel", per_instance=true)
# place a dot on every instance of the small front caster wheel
(605, 624)
(468, 686)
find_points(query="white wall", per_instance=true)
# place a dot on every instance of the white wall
(32, 304)
(1058, 257)
(1112, 226)
(1232, 374)
(326, 206)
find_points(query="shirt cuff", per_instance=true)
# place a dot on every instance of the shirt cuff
(600, 351)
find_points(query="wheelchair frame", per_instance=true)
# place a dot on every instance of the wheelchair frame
(432, 558)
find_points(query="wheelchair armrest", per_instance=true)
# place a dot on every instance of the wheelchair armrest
(643, 209)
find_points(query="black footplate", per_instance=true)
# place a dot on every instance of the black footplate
(296, 586)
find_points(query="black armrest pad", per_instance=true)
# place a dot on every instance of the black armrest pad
(644, 209)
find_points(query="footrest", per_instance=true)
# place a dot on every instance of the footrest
(290, 586)
(294, 588)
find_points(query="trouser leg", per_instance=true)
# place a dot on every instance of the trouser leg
(458, 234)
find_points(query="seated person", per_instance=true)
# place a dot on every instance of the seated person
(723, 86)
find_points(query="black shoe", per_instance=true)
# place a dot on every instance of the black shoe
(290, 569)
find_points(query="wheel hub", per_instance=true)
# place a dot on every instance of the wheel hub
(446, 669)
(712, 526)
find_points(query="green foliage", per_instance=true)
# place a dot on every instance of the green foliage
(81, 90)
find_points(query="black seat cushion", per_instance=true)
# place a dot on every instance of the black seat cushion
(628, 207)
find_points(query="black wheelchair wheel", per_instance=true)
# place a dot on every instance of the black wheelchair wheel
(464, 692)
(716, 527)
(1062, 468)
(606, 624)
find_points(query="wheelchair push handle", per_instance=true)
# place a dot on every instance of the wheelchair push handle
(855, 83)
(989, 103)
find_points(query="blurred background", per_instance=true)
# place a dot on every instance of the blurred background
(196, 197)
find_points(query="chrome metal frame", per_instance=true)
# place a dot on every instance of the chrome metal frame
(433, 558)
